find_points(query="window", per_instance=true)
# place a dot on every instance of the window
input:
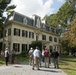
(50, 38)
(36, 37)
(9, 31)
(16, 47)
(5, 33)
(25, 20)
(10, 18)
(24, 33)
(29, 46)
(16, 32)
(55, 39)
(24, 47)
(38, 23)
(43, 37)
(31, 35)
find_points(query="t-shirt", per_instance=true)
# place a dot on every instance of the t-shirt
(36, 53)
(55, 54)
(6, 53)
(46, 53)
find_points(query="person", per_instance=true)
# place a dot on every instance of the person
(13, 56)
(6, 56)
(36, 55)
(42, 55)
(55, 56)
(31, 56)
(46, 56)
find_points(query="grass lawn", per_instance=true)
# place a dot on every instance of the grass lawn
(2, 61)
(68, 64)
(21, 58)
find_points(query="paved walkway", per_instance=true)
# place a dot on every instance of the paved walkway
(25, 69)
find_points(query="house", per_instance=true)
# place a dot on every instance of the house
(20, 31)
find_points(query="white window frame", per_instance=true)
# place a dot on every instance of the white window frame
(25, 20)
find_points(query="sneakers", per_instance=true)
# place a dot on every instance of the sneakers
(32, 68)
(38, 69)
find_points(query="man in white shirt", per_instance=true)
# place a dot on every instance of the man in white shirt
(36, 55)
(6, 56)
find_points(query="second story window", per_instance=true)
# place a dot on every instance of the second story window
(50, 38)
(9, 31)
(43, 37)
(5, 33)
(31, 35)
(16, 32)
(55, 39)
(24, 33)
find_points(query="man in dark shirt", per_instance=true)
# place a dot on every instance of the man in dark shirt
(55, 56)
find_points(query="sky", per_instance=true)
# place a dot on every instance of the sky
(38, 7)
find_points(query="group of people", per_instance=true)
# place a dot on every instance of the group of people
(7, 54)
(36, 57)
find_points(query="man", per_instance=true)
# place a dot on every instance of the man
(31, 56)
(55, 56)
(46, 56)
(6, 56)
(36, 55)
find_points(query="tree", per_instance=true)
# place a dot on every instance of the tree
(52, 20)
(36, 43)
(4, 8)
(69, 36)
(64, 14)
(72, 4)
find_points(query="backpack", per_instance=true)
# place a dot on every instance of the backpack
(46, 53)
(30, 53)
(7, 54)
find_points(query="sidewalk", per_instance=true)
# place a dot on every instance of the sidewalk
(25, 69)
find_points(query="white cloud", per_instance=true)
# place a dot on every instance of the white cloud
(30, 7)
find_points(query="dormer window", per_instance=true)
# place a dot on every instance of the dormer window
(38, 23)
(11, 18)
(25, 20)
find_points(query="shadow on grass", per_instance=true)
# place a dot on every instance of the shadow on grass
(68, 60)
(63, 63)
(69, 69)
